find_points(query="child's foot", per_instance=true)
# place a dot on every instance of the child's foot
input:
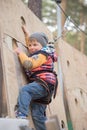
(20, 115)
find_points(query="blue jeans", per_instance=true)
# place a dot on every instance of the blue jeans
(28, 93)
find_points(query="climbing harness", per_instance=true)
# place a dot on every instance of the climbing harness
(51, 89)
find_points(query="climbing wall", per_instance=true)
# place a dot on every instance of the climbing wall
(14, 15)
(74, 70)
(1, 77)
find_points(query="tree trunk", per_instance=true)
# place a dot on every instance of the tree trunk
(63, 5)
(36, 7)
(63, 17)
(82, 43)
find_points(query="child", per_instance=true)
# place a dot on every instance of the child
(38, 67)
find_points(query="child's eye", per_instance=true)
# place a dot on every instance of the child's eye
(35, 44)
(29, 45)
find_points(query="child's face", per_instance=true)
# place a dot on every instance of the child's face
(34, 46)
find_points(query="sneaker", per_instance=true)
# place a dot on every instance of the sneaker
(20, 115)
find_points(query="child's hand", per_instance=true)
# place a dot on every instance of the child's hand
(25, 30)
(18, 51)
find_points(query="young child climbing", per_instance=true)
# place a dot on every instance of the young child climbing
(39, 68)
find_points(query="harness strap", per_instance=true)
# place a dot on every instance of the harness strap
(41, 71)
(55, 87)
(43, 83)
(46, 99)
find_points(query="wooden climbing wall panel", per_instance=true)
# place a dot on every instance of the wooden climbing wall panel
(74, 69)
(1, 78)
(12, 71)
(14, 15)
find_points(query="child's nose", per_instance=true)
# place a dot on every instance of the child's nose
(32, 47)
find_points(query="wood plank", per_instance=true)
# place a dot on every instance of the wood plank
(3, 101)
(74, 69)
(1, 78)
(11, 69)
(11, 25)
(14, 124)
(53, 123)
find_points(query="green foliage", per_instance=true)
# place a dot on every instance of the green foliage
(86, 46)
(49, 12)
(76, 10)
(25, 2)
(73, 39)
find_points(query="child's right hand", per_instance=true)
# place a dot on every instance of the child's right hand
(25, 30)
(18, 50)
